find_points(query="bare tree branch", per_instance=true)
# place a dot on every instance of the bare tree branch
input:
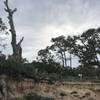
(19, 43)
(7, 9)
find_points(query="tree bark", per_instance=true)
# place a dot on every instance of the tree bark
(17, 49)
(65, 59)
(70, 60)
(62, 57)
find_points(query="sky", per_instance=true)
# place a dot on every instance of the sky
(40, 20)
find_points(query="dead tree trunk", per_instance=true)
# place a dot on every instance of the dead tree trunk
(17, 49)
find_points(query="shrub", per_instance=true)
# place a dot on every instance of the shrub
(63, 94)
(34, 96)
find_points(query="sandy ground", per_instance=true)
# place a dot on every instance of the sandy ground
(58, 90)
(69, 91)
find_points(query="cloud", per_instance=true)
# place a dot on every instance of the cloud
(40, 20)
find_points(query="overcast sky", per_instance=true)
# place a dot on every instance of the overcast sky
(40, 20)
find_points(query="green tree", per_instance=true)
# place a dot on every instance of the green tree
(59, 47)
(3, 29)
(2, 26)
(86, 47)
(45, 56)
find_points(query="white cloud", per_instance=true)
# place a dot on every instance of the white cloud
(40, 20)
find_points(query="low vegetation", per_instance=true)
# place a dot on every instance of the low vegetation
(34, 96)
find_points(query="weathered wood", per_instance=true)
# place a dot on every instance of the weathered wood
(17, 49)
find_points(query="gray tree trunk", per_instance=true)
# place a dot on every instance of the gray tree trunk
(17, 49)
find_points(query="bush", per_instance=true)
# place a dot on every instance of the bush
(17, 70)
(63, 94)
(34, 96)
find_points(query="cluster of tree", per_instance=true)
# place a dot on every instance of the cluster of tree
(55, 53)
(86, 47)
